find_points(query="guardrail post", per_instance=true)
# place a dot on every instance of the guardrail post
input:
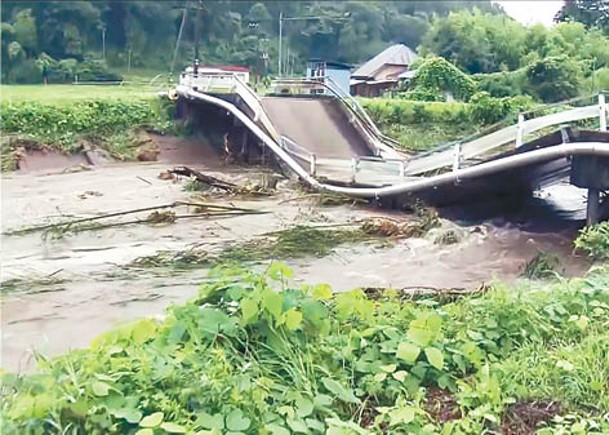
(402, 169)
(313, 163)
(602, 108)
(354, 167)
(457, 156)
(520, 130)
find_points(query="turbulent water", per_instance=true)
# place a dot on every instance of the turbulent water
(88, 292)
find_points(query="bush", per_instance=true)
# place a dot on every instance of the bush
(252, 354)
(501, 84)
(387, 111)
(485, 110)
(437, 75)
(553, 79)
(62, 124)
(419, 94)
(95, 70)
(594, 241)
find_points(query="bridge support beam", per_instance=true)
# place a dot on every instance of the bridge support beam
(592, 211)
(592, 173)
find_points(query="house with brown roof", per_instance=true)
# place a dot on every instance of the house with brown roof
(382, 72)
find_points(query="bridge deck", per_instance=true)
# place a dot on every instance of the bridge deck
(317, 124)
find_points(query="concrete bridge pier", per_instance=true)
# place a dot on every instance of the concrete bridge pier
(592, 173)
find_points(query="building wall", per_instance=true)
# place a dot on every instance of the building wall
(390, 72)
(370, 90)
(341, 77)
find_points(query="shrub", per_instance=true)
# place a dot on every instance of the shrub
(594, 241)
(485, 110)
(553, 79)
(437, 75)
(501, 84)
(252, 354)
(62, 124)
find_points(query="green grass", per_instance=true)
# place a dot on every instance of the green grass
(68, 94)
(253, 354)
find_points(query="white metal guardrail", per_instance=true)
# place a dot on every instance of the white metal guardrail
(411, 184)
(227, 82)
(398, 170)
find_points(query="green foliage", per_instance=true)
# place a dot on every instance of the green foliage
(476, 42)
(594, 240)
(422, 125)
(486, 110)
(100, 121)
(230, 32)
(553, 79)
(501, 84)
(436, 75)
(251, 354)
(592, 13)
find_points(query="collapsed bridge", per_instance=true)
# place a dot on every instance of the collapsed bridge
(322, 135)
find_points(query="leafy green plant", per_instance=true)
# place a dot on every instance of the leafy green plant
(542, 265)
(437, 75)
(594, 240)
(110, 124)
(252, 353)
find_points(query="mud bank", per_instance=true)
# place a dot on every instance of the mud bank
(82, 289)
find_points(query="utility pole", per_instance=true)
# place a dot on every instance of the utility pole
(280, 48)
(177, 47)
(197, 28)
(103, 30)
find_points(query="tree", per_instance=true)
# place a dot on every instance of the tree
(553, 79)
(591, 13)
(476, 42)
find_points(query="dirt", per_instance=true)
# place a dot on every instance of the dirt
(525, 417)
(441, 405)
(90, 292)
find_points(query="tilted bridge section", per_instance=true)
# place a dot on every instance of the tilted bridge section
(330, 143)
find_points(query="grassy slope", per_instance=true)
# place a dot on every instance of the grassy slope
(61, 117)
(420, 126)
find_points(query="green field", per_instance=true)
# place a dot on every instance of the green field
(58, 94)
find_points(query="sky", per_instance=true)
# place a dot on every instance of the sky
(531, 11)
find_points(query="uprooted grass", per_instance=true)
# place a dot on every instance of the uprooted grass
(296, 242)
(30, 286)
(254, 354)
(542, 266)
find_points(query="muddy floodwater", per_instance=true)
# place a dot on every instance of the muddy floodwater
(82, 290)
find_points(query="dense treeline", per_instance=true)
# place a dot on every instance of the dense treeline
(144, 33)
(506, 58)
(61, 40)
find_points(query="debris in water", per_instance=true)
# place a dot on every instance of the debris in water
(60, 229)
(416, 292)
(166, 175)
(205, 182)
(158, 217)
(89, 193)
(542, 266)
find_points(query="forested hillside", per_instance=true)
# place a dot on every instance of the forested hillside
(144, 33)
(488, 50)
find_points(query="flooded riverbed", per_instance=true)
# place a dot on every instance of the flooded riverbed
(77, 288)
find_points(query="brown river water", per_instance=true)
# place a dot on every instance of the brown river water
(89, 296)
